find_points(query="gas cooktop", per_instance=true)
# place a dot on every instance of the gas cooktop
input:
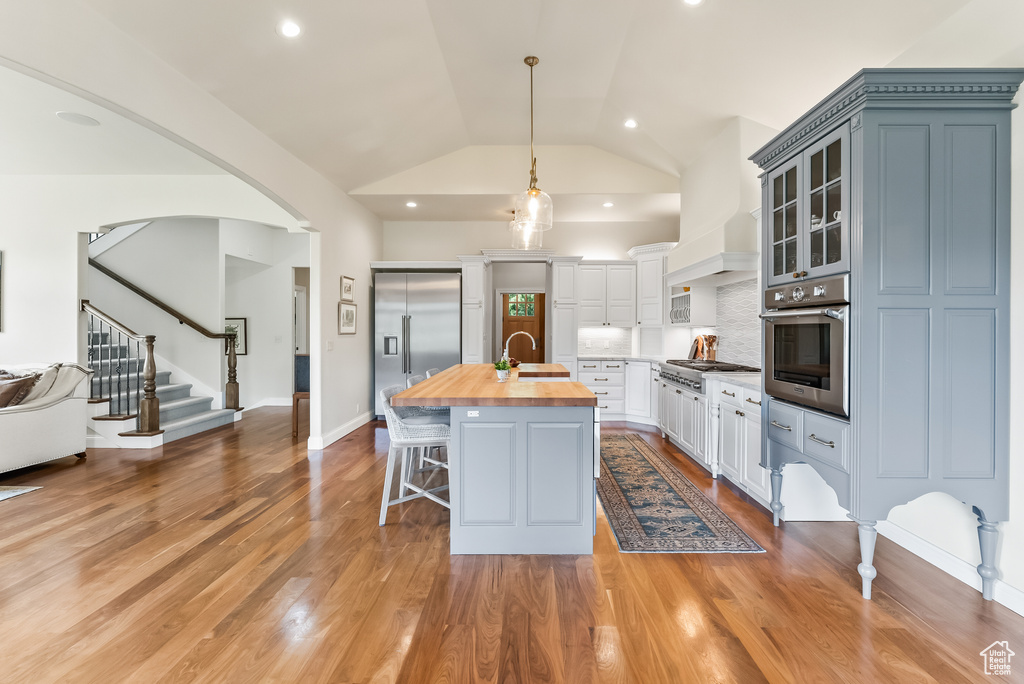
(713, 366)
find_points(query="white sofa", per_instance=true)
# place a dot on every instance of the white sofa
(46, 427)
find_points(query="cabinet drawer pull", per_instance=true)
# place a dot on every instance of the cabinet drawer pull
(753, 402)
(740, 413)
(729, 394)
(830, 445)
(615, 366)
(787, 428)
(600, 393)
(600, 379)
(604, 407)
(586, 366)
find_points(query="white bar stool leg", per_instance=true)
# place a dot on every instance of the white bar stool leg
(389, 473)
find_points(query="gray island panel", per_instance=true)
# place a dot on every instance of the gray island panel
(522, 480)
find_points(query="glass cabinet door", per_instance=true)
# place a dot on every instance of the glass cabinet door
(784, 220)
(826, 170)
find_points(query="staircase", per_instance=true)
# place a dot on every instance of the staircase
(117, 373)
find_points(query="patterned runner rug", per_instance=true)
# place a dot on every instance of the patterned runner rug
(652, 508)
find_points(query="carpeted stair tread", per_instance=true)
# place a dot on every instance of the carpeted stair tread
(196, 418)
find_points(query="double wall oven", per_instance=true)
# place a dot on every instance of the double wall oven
(807, 343)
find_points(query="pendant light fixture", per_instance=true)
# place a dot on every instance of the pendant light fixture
(533, 207)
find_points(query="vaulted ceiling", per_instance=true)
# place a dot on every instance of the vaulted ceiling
(372, 89)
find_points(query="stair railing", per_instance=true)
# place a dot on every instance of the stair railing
(110, 342)
(231, 386)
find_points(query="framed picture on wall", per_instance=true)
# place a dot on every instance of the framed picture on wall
(346, 319)
(237, 326)
(348, 289)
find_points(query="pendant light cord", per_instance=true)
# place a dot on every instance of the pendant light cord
(531, 62)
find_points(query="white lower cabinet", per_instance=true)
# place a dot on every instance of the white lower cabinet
(626, 390)
(733, 441)
(638, 389)
(739, 439)
(695, 408)
(683, 417)
(608, 382)
(668, 410)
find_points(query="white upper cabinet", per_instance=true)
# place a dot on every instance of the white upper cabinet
(622, 295)
(607, 294)
(562, 288)
(650, 283)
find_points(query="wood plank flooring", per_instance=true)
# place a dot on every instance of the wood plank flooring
(232, 557)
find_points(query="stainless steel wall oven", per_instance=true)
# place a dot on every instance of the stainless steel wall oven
(807, 343)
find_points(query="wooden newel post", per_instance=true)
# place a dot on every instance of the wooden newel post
(149, 407)
(231, 388)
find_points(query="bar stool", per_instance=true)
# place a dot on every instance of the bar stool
(405, 434)
(431, 372)
(440, 414)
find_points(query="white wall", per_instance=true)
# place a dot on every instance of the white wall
(84, 52)
(717, 194)
(261, 292)
(514, 275)
(176, 261)
(441, 241)
(43, 218)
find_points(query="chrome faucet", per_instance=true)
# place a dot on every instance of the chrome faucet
(504, 354)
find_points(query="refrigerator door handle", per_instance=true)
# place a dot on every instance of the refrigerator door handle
(408, 343)
(406, 356)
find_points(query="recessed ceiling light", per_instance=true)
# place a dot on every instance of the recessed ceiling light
(411, 205)
(76, 118)
(630, 123)
(289, 29)
(608, 205)
(693, 3)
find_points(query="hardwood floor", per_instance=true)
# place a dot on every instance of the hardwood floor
(231, 557)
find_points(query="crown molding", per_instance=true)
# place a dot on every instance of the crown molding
(525, 255)
(895, 89)
(654, 248)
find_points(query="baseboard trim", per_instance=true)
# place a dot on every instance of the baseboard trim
(269, 401)
(318, 443)
(1007, 595)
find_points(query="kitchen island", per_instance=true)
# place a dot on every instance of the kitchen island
(522, 463)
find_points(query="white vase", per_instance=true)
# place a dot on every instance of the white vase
(502, 375)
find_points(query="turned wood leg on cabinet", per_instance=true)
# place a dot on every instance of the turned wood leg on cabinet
(988, 537)
(776, 504)
(868, 535)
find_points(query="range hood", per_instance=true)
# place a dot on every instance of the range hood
(719, 269)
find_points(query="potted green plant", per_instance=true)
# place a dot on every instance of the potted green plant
(502, 367)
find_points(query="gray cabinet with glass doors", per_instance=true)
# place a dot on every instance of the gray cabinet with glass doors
(809, 213)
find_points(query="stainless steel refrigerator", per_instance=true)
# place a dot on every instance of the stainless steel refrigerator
(417, 326)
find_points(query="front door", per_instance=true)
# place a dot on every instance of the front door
(523, 312)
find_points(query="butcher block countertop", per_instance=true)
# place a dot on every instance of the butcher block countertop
(542, 370)
(477, 385)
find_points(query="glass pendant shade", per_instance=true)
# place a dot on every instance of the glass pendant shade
(534, 210)
(525, 237)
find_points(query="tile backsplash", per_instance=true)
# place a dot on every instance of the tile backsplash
(738, 326)
(619, 341)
